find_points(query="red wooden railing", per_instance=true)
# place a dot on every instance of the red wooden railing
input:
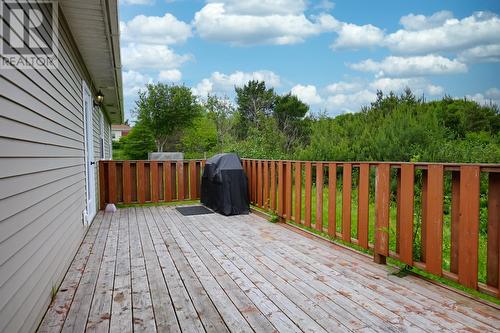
(280, 187)
(418, 193)
(129, 182)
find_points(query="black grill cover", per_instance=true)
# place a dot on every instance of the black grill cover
(224, 185)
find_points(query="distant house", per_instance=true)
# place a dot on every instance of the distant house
(117, 131)
(55, 125)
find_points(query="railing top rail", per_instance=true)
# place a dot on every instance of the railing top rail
(489, 167)
(377, 162)
(184, 160)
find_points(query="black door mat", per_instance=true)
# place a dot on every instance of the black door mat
(194, 210)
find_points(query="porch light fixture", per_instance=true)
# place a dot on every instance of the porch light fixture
(99, 98)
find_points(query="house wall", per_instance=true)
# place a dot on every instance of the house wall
(117, 135)
(42, 181)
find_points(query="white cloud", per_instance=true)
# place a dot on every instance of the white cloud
(434, 90)
(475, 38)
(481, 28)
(417, 85)
(354, 36)
(203, 88)
(166, 29)
(491, 95)
(421, 22)
(307, 94)
(224, 83)
(239, 78)
(342, 96)
(246, 23)
(343, 87)
(170, 75)
(135, 56)
(484, 53)
(342, 103)
(263, 7)
(411, 66)
(133, 82)
(325, 5)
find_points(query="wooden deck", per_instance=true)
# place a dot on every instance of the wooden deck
(151, 269)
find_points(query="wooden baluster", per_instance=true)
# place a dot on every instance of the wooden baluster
(298, 193)
(173, 183)
(280, 189)
(185, 166)
(254, 182)
(332, 199)
(199, 167)
(259, 184)
(493, 258)
(455, 218)
(273, 186)
(434, 227)
(398, 208)
(112, 181)
(406, 202)
(266, 184)
(102, 184)
(319, 197)
(154, 181)
(468, 236)
(127, 186)
(423, 225)
(180, 180)
(193, 189)
(382, 205)
(346, 201)
(167, 169)
(363, 204)
(288, 190)
(147, 180)
(248, 173)
(308, 183)
(133, 181)
(141, 186)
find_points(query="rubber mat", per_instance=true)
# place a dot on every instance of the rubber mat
(194, 210)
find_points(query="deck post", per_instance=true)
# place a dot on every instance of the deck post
(379, 258)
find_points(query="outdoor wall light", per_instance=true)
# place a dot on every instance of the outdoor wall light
(99, 98)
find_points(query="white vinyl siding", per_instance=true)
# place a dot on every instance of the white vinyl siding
(42, 182)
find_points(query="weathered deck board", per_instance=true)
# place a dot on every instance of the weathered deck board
(58, 310)
(165, 318)
(121, 309)
(143, 318)
(78, 313)
(150, 268)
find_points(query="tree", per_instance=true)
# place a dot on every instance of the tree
(220, 110)
(254, 101)
(138, 143)
(200, 138)
(289, 112)
(165, 110)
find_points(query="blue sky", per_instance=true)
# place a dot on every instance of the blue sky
(332, 55)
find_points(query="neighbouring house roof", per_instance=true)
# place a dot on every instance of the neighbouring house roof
(120, 127)
(94, 25)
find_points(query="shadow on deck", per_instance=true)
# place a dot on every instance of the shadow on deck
(150, 268)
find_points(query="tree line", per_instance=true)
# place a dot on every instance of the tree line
(263, 124)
